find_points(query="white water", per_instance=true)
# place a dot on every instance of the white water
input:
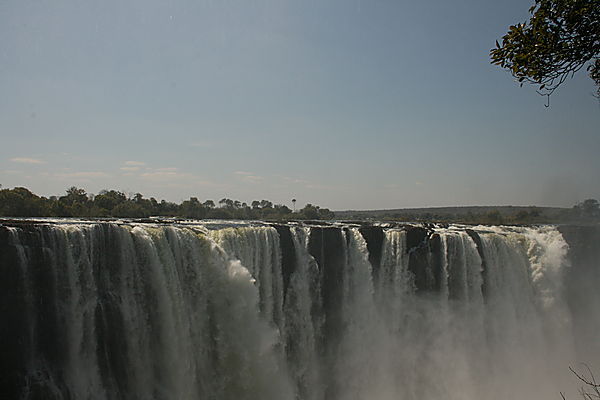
(168, 313)
(188, 318)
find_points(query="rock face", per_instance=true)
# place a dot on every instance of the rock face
(477, 240)
(327, 246)
(288, 255)
(374, 236)
(424, 249)
(303, 312)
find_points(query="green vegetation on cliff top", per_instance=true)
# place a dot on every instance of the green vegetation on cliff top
(21, 202)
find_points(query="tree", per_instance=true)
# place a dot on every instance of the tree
(266, 204)
(494, 217)
(138, 198)
(522, 216)
(282, 209)
(20, 202)
(192, 208)
(589, 208)
(109, 199)
(560, 38)
(129, 209)
(226, 203)
(310, 212)
(74, 195)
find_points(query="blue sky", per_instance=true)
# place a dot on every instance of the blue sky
(345, 104)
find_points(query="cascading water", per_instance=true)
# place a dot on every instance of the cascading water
(141, 311)
(114, 312)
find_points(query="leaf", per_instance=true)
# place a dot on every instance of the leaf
(560, 37)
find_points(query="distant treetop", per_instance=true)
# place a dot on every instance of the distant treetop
(20, 202)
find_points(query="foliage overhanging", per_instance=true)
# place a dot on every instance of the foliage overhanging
(560, 38)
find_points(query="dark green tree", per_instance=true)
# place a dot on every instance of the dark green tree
(109, 199)
(560, 38)
(167, 208)
(310, 211)
(226, 203)
(20, 202)
(192, 208)
(74, 195)
(494, 217)
(266, 204)
(589, 208)
(138, 198)
(129, 209)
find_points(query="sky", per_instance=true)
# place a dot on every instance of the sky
(346, 104)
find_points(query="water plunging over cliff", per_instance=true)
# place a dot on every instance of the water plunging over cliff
(142, 311)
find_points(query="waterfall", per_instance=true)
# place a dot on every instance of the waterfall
(139, 312)
(257, 311)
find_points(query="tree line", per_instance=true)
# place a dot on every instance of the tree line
(21, 202)
(76, 202)
(587, 211)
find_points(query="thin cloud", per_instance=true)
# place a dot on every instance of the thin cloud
(83, 174)
(81, 177)
(303, 182)
(27, 160)
(295, 180)
(253, 178)
(132, 166)
(164, 175)
(249, 177)
(135, 163)
(175, 179)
